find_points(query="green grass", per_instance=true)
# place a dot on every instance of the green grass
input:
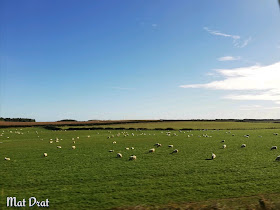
(90, 177)
(190, 125)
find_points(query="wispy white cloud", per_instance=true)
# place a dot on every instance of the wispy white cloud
(122, 88)
(263, 81)
(218, 33)
(229, 58)
(237, 41)
(241, 44)
(250, 107)
(258, 108)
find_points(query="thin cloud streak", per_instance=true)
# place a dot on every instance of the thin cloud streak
(237, 42)
(229, 58)
(121, 88)
(218, 33)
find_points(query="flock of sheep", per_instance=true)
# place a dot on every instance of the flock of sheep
(125, 134)
(133, 157)
(213, 156)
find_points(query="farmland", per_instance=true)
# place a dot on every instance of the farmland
(196, 125)
(90, 177)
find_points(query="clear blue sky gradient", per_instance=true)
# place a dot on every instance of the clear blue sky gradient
(126, 59)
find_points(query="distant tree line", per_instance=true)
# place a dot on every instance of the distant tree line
(67, 120)
(17, 119)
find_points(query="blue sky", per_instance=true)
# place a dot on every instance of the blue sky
(139, 59)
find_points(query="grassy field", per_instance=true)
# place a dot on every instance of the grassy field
(190, 125)
(90, 177)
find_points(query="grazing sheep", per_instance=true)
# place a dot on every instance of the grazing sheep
(78, 137)
(127, 148)
(224, 146)
(132, 157)
(275, 134)
(157, 144)
(51, 142)
(274, 147)
(223, 140)
(45, 154)
(152, 150)
(243, 145)
(111, 150)
(88, 136)
(59, 147)
(7, 158)
(119, 155)
(132, 148)
(114, 142)
(73, 147)
(74, 142)
(175, 151)
(170, 146)
(213, 156)
(278, 158)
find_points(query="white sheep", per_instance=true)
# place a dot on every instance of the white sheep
(158, 145)
(45, 154)
(274, 147)
(119, 155)
(170, 146)
(7, 158)
(224, 146)
(278, 158)
(73, 147)
(132, 148)
(59, 147)
(213, 156)
(111, 150)
(175, 151)
(51, 142)
(132, 157)
(243, 145)
(114, 142)
(127, 148)
(152, 150)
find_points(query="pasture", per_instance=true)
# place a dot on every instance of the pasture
(91, 177)
(195, 125)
